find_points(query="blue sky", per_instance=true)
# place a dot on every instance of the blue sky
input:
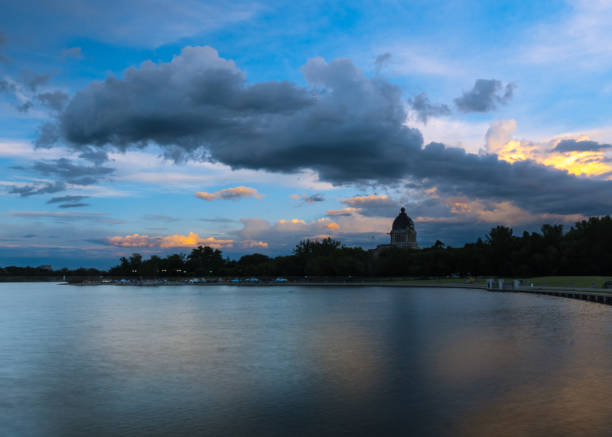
(295, 121)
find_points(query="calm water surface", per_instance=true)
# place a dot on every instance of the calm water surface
(300, 361)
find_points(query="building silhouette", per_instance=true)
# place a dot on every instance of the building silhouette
(402, 232)
(402, 235)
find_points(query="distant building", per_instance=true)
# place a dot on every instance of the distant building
(402, 233)
(46, 268)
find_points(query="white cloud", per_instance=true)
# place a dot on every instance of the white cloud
(453, 132)
(149, 167)
(25, 150)
(578, 41)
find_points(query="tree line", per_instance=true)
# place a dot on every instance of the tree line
(44, 273)
(585, 249)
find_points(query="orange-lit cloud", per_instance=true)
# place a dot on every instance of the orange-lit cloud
(319, 237)
(247, 244)
(230, 194)
(357, 201)
(504, 212)
(292, 222)
(286, 231)
(168, 241)
(333, 226)
(299, 224)
(342, 212)
(579, 162)
(432, 193)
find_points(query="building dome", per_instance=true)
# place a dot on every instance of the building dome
(402, 232)
(402, 222)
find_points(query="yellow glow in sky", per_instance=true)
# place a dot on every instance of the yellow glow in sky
(587, 163)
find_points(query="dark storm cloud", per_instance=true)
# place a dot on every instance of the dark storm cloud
(33, 80)
(72, 173)
(93, 155)
(55, 100)
(580, 146)
(385, 206)
(73, 205)
(425, 109)
(52, 99)
(345, 126)
(48, 134)
(485, 96)
(313, 198)
(529, 185)
(32, 189)
(63, 199)
(373, 205)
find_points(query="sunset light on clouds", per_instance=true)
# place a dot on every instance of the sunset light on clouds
(580, 161)
(169, 241)
(229, 136)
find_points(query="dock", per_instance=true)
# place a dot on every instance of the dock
(588, 294)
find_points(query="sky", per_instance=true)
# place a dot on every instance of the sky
(157, 126)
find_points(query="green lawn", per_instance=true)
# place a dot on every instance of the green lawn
(569, 281)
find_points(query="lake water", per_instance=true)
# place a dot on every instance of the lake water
(300, 361)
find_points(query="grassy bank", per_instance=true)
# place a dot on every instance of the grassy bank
(570, 281)
(539, 281)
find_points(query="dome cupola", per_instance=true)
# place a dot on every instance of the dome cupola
(402, 221)
(402, 231)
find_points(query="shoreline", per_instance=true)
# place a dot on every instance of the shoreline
(595, 295)
(399, 284)
(277, 284)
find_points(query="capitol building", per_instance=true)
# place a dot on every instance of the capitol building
(402, 233)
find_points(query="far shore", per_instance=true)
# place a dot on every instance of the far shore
(286, 284)
(480, 284)
(577, 284)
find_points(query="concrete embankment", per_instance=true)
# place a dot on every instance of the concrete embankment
(588, 294)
